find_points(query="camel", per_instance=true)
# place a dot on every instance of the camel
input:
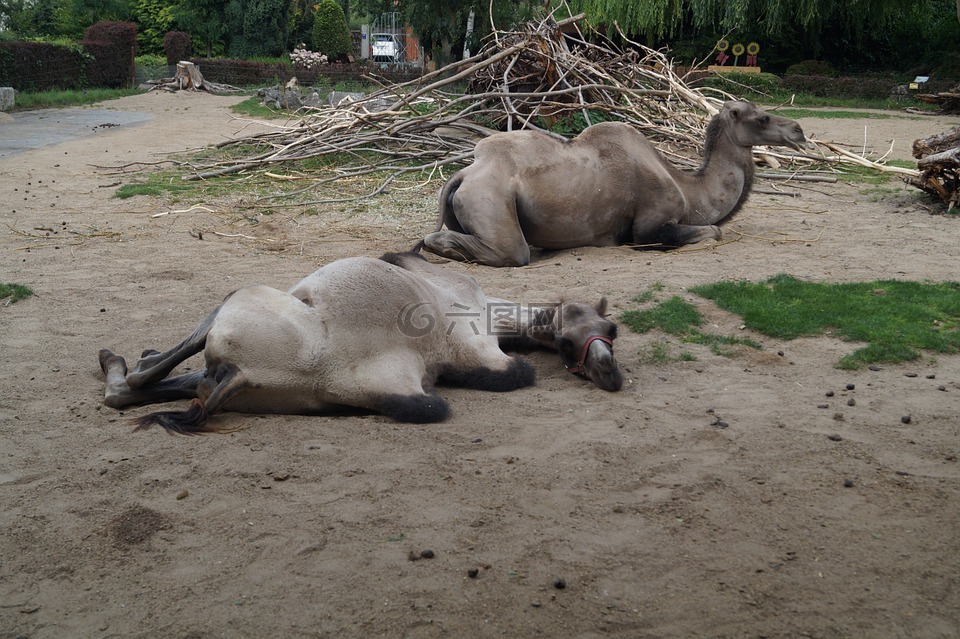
(579, 332)
(341, 340)
(606, 187)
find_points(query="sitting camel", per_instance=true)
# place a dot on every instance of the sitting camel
(607, 186)
(340, 338)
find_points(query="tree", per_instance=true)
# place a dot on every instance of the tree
(154, 19)
(441, 24)
(205, 21)
(256, 28)
(659, 18)
(330, 34)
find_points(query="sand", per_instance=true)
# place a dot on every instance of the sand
(557, 511)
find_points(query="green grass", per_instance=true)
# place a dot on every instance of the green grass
(57, 99)
(155, 188)
(10, 293)
(253, 107)
(680, 319)
(896, 319)
(836, 115)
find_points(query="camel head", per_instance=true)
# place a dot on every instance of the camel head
(747, 126)
(584, 338)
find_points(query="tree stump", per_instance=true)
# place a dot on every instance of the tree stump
(188, 76)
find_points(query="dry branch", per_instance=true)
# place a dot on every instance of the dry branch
(537, 77)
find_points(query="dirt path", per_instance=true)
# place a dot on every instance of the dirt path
(582, 513)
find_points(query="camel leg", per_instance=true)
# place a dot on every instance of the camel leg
(470, 248)
(483, 224)
(518, 374)
(391, 384)
(681, 234)
(119, 394)
(154, 366)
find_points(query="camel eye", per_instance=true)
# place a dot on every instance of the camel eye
(764, 120)
(565, 346)
(612, 331)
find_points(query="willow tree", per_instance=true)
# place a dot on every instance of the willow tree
(663, 18)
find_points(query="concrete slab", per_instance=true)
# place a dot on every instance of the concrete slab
(45, 127)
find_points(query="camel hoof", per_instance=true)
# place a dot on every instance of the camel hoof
(108, 359)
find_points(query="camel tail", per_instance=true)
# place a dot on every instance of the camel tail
(188, 422)
(446, 215)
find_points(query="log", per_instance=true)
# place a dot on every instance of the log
(936, 143)
(939, 170)
(949, 159)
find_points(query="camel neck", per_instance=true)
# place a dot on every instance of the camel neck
(722, 184)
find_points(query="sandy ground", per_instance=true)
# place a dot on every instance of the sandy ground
(581, 513)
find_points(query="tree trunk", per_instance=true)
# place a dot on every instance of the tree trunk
(188, 76)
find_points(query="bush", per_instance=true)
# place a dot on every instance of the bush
(812, 67)
(863, 86)
(177, 47)
(742, 83)
(41, 66)
(330, 34)
(113, 46)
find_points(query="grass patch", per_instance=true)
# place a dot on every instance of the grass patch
(682, 320)
(896, 319)
(57, 99)
(10, 293)
(253, 107)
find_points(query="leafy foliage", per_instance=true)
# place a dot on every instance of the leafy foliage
(154, 18)
(330, 35)
(112, 45)
(176, 46)
(256, 27)
(205, 20)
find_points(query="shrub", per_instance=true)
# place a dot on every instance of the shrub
(742, 83)
(812, 67)
(330, 34)
(113, 46)
(177, 47)
(41, 66)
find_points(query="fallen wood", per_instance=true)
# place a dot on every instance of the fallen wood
(939, 164)
(936, 143)
(949, 101)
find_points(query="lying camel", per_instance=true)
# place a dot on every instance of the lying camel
(607, 186)
(340, 338)
(579, 332)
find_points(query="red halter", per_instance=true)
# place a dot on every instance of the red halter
(580, 369)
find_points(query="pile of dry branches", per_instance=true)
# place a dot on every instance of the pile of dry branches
(532, 78)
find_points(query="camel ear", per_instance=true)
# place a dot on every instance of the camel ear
(601, 306)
